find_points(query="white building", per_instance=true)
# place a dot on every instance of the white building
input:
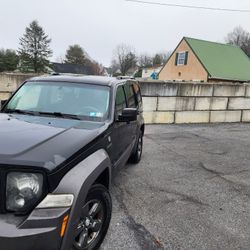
(151, 73)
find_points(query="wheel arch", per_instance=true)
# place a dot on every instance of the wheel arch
(142, 129)
(78, 181)
(104, 178)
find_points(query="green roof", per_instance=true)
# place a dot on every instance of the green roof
(222, 61)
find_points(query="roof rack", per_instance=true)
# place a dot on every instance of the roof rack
(54, 74)
(124, 77)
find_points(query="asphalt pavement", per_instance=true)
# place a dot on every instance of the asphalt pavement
(190, 191)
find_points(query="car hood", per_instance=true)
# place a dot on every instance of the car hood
(43, 141)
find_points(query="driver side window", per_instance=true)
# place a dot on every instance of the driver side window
(120, 101)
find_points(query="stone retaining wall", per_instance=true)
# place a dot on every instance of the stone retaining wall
(9, 82)
(179, 102)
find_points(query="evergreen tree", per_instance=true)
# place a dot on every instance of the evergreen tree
(138, 73)
(34, 49)
(75, 55)
(157, 60)
(8, 60)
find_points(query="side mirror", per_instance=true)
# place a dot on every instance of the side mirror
(2, 103)
(128, 115)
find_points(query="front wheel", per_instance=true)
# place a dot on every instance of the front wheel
(94, 219)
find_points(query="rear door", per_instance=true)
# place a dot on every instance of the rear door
(139, 103)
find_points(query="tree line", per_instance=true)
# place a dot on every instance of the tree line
(34, 52)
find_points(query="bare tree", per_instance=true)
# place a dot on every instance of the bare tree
(241, 38)
(145, 61)
(158, 59)
(164, 56)
(125, 58)
(94, 67)
(114, 68)
(60, 58)
(97, 69)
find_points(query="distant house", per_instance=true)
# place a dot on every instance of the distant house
(198, 60)
(68, 68)
(151, 73)
(132, 71)
(107, 71)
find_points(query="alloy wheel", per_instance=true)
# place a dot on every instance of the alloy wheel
(90, 225)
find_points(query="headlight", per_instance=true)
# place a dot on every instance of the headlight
(23, 190)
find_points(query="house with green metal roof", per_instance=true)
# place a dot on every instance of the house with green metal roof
(199, 60)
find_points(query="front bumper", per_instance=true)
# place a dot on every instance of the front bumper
(39, 231)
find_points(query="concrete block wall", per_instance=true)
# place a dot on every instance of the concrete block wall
(9, 82)
(182, 102)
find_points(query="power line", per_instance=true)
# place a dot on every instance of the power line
(188, 6)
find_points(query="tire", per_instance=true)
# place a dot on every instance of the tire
(94, 220)
(136, 155)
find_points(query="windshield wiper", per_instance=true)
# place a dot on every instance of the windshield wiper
(20, 111)
(59, 114)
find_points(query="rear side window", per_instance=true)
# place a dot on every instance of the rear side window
(137, 92)
(120, 101)
(130, 96)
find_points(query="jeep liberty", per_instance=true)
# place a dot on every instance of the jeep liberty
(62, 139)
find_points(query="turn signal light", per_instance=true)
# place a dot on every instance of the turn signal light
(64, 225)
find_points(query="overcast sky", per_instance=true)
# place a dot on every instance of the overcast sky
(100, 25)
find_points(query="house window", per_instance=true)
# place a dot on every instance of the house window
(181, 58)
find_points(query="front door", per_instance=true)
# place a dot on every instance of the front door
(120, 129)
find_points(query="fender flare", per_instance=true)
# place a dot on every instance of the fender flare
(78, 182)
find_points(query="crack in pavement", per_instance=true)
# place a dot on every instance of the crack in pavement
(212, 171)
(202, 166)
(145, 239)
(186, 198)
(180, 196)
(174, 136)
(237, 187)
(216, 153)
(221, 174)
(162, 147)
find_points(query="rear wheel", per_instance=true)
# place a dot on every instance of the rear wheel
(136, 155)
(94, 219)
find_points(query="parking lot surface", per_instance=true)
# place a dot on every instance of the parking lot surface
(190, 191)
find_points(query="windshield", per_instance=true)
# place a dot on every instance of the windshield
(83, 101)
